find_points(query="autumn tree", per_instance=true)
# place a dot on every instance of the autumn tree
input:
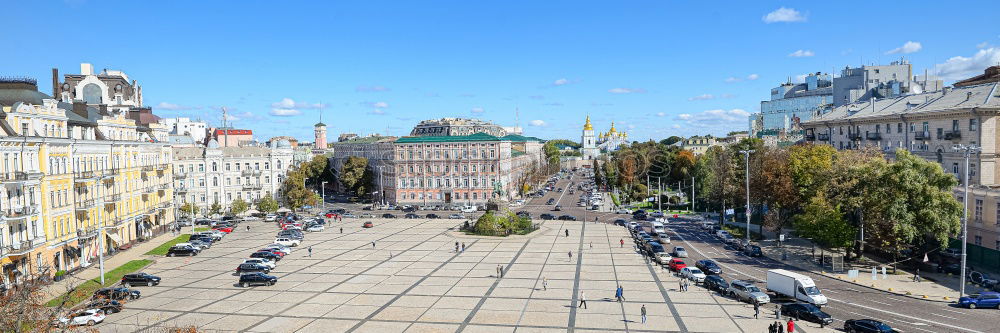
(189, 209)
(238, 206)
(267, 204)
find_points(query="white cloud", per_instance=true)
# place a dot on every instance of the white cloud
(784, 15)
(752, 77)
(371, 89)
(982, 45)
(675, 126)
(702, 97)
(377, 112)
(176, 107)
(908, 47)
(732, 79)
(288, 103)
(626, 90)
(661, 114)
(377, 105)
(718, 118)
(285, 112)
(801, 78)
(959, 67)
(538, 123)
(561, 82)
(478, 110)
(801, 53)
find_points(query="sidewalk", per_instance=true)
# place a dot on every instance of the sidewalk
(94, 270)
(932, 287)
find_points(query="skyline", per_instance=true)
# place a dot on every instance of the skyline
(655, 69)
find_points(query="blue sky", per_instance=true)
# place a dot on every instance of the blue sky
(657, 68)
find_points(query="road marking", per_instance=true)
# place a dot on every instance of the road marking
(941, 315)
(903, 315)
(883, 303)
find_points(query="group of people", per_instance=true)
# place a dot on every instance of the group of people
(778, 327)
(682, 285)
(457, 248)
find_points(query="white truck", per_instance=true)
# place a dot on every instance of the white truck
(794, 285)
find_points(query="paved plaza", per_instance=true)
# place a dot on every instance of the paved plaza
(412, 280)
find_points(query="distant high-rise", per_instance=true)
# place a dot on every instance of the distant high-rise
(320, 136)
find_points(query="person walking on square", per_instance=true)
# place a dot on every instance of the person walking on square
(463, 247)
(310, 251)
(781, 328)
(498, 271)
(621, 241)
(583, 300)
(680, 285)
(791, 326)
(643, 311)
(456, 247)
(570, 253)
(248, 228)
(545, 283)
(618, 294)
(756, 309)
(373, 244)
(567, 232)
(621, 292)
(501, 270)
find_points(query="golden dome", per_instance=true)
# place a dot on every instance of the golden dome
(612, 128)
(587, 126)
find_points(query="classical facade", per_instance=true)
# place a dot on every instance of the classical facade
(213, 174)
(593, 145)
(445, 169)
(611, 140)
(456, 127)
(77, 176)
(930, 124)
(588, 142)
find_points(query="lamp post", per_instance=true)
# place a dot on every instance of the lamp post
(322, 190)
(746, 155)
(967, 152)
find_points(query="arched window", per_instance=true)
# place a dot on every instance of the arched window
(279, 165)
(215, 181)
(215, 166)
(92, 94)
(940, 156)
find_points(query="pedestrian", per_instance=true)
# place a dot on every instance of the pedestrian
(618, 294)
(777, 313)
(916, 276)
(621, 242)
(791, 326)
(248, 228)
(567, 232)
(456, 247)
(686, 285)
(781, 328)
(680, 285)
(545, 283)
(310, 251)
(501, 270)
(373, 244)
(463, 247)
(570, 253)
(770, 328)
(498, 271)
(341, 229)
(643, 311)
(756, 309)
(591, 245)
(583, 300)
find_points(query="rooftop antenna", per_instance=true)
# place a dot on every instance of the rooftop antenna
(517, 119)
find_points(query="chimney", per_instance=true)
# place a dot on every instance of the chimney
(86, 69)
(55, 84)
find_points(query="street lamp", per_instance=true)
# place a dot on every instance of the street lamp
(967, 152)
(322, 189)
(746, 155)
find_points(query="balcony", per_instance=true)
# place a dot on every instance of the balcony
(252, 186)
(180, 190)
(21, 247)
(873, 136)
(854, 136)
(824, 136)
(953, 135)
(924, 135)
(148, 190)
(180, 175)
(163, 187)
(113, 198)
(20, 176)
(251, 173)
(18, 213)
(86, 204)
(161, 167)
(85, 233)
(810, 137)
(148, 168)
(85, 176)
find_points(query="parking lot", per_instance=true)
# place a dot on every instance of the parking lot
(412, 280)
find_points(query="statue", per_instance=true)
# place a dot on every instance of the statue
(498, 189)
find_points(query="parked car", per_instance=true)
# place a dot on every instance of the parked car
(349, 215)
(708, 266)
(753, 251)
(954, 269)
(184, 250)
(557, 208)
(388, 216)
(260, 261)
(270, 218)
(716, 283)
(680, 252)
(432, 216)
(693, 274)
(986, 299)
(109, 306)
(567, 218)
(140, 279)
(866, 326)
(746, 291)
(807, 312)
(225, 229)
(621, 222)
(676, 265)
(547, 216)
(197, 244)
(257, 278)
(411, 216)
(662, 258)
(117, 293)
(266, 255)
(315, 227)
(274, 250)
(456, 216)
(89, 317)
(367, 224)
(250, 267)
(622, 211)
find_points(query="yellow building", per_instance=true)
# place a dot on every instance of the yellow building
(76, 178)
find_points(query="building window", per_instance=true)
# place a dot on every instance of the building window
(972, 125)
(998, 214)
(267, 165)
(227, 166)
(979, 211)
(979, 240)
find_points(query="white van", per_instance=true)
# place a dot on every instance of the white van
(468, 209)
(658, 228)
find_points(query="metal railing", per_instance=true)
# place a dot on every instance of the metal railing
(873, 136)
(248, 173)
(953, 135)
(252, 186)
(922, 135)
(824, 137)
(86, 204)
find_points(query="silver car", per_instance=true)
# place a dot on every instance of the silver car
(746, 291)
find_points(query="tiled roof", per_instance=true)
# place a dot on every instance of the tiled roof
(520, 138)
(453, 138)
(983, 95)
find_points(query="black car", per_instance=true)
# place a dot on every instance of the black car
(547, 216)
(109, 306)
(715, 282)
(388, 216)
(753, 251)
(258, 278)
(139, 279)
(567, 218)
(807, 312)
(866, 326)
(266, 255)
(411, 216)
(557, 208)
(182, 251)
(433, 216)
(950, 269)
(117, 294)
(708, 266)
(252, 267)
(524, 214)
(409, 209)
(621, 222)
(551, 201)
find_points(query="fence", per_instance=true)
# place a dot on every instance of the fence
(982, 258)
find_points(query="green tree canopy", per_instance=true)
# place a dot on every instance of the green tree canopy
(189, 209)
(215, 209)
(238, 206)
(267, 204)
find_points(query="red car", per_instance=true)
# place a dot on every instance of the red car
(274, 251)
(331, 215)
(368, 224)
(676, 264)
(224, 229)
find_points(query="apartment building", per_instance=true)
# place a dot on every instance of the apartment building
(77, 177)
(930, 125)
(213, 174)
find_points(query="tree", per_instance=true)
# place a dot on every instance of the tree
(683, 165)
(267, 204)
(920, 202)
(810, 166)
(774, 188)
(189, 209)
(855, 189)
(824, 224)
(296, 195)
(215, 209)
(671, 140)
(238, 206)
(352, 174)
